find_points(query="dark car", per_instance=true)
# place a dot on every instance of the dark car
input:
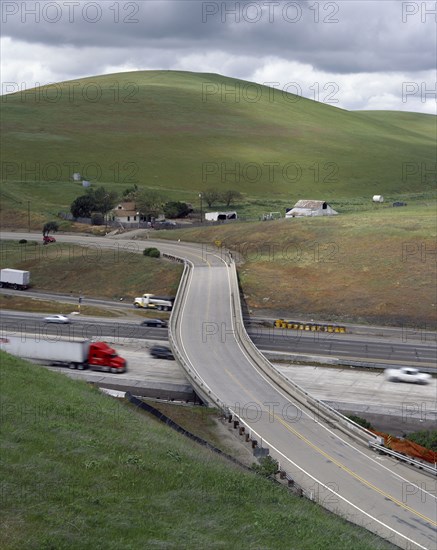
(161, 352)
(154, 323)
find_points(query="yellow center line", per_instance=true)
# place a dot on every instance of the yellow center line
(353, 474)
(333, 460)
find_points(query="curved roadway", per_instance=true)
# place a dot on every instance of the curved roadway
(386, 497)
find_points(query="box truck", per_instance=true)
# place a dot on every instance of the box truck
(74, 353)
(14, 278)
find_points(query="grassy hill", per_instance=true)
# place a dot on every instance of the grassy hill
(182, 132)
(82, 471)
(377, 266)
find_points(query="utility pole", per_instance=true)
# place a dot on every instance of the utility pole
(201, 207)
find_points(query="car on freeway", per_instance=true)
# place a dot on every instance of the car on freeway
(407, 374)
(161, 352)
(154, 323)
(57, 319)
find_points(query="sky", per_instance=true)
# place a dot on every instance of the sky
(351, 54)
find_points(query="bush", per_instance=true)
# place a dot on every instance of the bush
(22, 241)
(152, 252)
(176, 210)
(426, 438)
(360, 421)
(267, 467)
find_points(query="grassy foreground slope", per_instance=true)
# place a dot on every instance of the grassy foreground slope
(182, 132)
(82, 471)
(377, 266)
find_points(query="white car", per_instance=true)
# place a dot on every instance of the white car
(407, 374)
(57, 319)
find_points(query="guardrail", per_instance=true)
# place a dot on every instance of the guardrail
(202, 389)
(428, 468)
(321, 410)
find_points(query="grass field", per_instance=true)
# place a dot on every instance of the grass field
(91, 272)
(81, 470)
(181, 133)
(378, 266)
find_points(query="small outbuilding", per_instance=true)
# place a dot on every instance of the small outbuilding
(311, 208)
(378, 198)
(220, 216)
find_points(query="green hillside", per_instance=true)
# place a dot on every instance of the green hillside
(183, 132)
(83, 471)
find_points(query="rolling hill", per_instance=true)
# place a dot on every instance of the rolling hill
(182, 132)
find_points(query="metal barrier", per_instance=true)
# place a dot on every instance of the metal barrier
(428, 468)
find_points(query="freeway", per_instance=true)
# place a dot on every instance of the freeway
(418, 352)
(384, 496)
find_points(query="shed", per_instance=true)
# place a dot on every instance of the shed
(220, 216)
(311, 208)
(378, 198)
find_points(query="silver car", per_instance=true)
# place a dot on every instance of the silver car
(57, 319)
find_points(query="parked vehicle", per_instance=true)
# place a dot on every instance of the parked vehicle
(154, 323)
(161, 352)
(47, 239)
(57, 319)
(14, 278)
(150, 301)
(407, 374)
(74, 353)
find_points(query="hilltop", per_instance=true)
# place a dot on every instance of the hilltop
(182, 132)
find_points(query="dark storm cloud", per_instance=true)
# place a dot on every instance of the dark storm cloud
(342, 36)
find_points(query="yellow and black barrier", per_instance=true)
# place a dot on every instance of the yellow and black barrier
(313, 327)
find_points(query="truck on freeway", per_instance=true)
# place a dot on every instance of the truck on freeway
(74, 353)
(150, 301)
(14, 278)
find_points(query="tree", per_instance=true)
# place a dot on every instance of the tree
(230, 196)
(149, 203)
(211, 196)
(104, 200)
(174, 209)
(130, 193)
(50, 227)
(83, 206)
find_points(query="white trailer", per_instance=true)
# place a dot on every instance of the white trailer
(51, 348)
(14, 278)
(74, 352)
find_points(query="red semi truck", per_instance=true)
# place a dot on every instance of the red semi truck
(74, 353)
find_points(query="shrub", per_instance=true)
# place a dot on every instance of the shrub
(22, 241)
(267, 467)
(360, 421)
(152, 252)
(426, 438)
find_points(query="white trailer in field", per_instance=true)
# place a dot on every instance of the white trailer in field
(14, 278)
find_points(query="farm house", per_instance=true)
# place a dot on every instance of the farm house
(310, 208)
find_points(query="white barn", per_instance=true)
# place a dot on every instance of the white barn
(218, 216)
(310, 208)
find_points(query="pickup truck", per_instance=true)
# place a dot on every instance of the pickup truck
(407, 374)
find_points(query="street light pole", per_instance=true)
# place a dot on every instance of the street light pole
(28, 216)
(201, 208)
